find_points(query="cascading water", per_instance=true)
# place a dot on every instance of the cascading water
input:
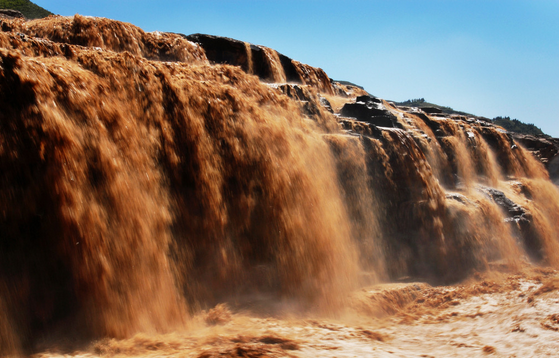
(278, 74)
(250, 62)
(135, 192)
(148, 183)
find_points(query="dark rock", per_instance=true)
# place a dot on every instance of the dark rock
(520, 220)
(11, 13)
(311, 109)
(543, 148)
(296, 92)
(433, 124)
(510, 208)
(431, 110)
(383, 121)
(459, 117)
(370, 112)
(362, 128)
(226, 50)
(308, 100)
(462, 199)
(5, 26)
(360, 111)
(326, 104)
(291, 74)
(262, 62)
(494, 140)
(366, 99)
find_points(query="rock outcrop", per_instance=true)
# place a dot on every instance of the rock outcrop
(370, 110)
(520, 220)
(8, 13)
(268, 64)
(542, 147)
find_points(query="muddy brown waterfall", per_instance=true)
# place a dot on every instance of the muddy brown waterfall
(143, 180)
(145, 188)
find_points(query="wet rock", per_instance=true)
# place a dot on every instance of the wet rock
(370, 110)
(226, 50)
(510, 208)
(354, 127)
(296, 92)
(311, 109)
(326, 104)
(521, 222)
(489, 135)
(309, 101)
(462, 199)
(432, 124)
(268, 64)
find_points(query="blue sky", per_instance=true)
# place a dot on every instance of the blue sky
(490, 58)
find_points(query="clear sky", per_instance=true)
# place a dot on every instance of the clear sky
(487, 57)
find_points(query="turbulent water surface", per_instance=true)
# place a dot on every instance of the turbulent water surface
(153, 202)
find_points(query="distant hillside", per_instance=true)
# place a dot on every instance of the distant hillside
(27, 8)
(421, 103)
(514, 125)
(511, 125)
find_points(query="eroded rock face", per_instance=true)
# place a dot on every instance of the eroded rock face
(543, 148)
(296, 92)
(510, 208)
(371, 110)
(268, 64)
(520, 220)
(251, 58)
(431, 110)
(11, 13)
(313, 105)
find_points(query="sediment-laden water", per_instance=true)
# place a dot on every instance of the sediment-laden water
(154, 202)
